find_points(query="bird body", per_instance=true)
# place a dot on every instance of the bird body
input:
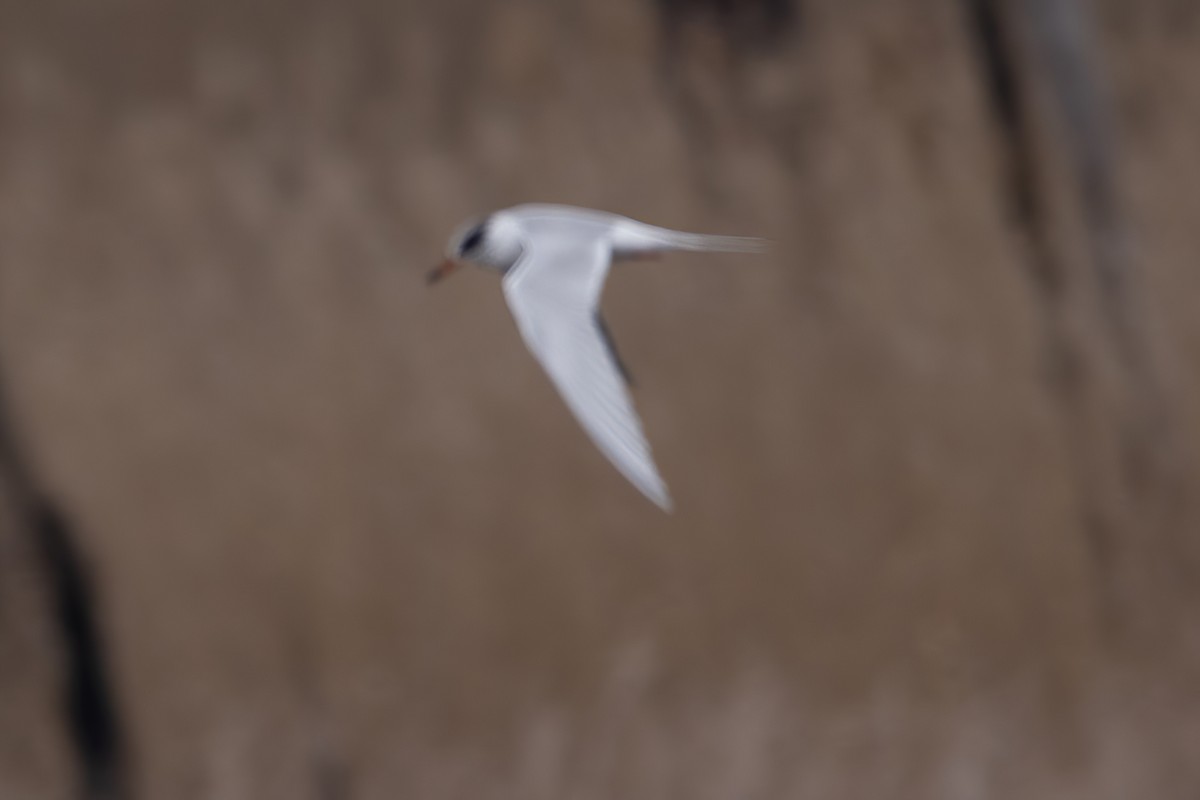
(554, 260)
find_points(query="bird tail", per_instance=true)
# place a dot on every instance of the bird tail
(719, 244)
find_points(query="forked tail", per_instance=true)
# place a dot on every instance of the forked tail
(719, 244)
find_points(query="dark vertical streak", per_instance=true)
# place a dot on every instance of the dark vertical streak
(90, 715)
(1061, 44)
(1000, 75)
(1046, 273)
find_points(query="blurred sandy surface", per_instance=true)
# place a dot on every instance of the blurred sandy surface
(350, 543)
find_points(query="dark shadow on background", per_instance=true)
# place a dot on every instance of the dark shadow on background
(89, 711)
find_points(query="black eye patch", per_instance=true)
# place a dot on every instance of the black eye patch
(472, 239)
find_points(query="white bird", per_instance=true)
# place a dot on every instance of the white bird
(554, 260)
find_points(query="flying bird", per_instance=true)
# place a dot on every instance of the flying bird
(554, 260)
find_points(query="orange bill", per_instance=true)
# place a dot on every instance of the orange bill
(441, 270)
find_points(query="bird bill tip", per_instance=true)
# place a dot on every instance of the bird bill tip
(441, 271)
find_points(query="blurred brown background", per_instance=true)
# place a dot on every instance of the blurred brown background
(280, 522)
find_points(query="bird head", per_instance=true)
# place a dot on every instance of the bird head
(486, 242)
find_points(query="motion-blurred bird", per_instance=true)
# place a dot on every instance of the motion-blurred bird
(554, 260)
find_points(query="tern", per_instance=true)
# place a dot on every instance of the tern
(554, 260)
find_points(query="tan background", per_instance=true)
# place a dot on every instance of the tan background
(346, 540)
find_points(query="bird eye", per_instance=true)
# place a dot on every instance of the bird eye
(472, 239)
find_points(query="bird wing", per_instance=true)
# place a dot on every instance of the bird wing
(554, 292)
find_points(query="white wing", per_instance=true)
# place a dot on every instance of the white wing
(554, 291)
